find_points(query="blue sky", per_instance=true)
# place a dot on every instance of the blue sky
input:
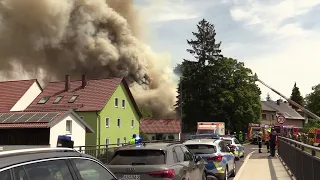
(278, 41)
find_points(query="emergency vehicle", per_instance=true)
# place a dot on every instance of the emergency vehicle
(314, 136)
(253, 131)
(211, 128)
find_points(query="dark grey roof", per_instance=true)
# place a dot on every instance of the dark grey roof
(30, 117)
(266, 107)
(283, 108)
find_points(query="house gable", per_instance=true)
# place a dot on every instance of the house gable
(126, 114)
(28, 97)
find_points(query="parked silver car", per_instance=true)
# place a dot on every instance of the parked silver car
(157, 161)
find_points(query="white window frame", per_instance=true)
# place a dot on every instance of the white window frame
(107, 141)
(118, 122)
(132, 123)
(107, 118)
(123, 103)
(70, 131)
(118, 141)
(116, 100)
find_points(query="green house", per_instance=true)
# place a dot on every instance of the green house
(106, 105)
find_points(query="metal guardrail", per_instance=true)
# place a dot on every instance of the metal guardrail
(303, 160)
(105, 152)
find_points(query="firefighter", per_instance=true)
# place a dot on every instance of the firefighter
(240, 136)
(272, 142)
(133, 139)
(267, 140)
(260, 141)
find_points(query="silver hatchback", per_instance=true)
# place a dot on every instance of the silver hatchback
(157, 161)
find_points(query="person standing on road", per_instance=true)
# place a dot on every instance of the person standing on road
(272, 142)
(260, 141)
(240, 137)
(133, 139)
(267, 140)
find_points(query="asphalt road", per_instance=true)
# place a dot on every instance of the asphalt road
(247, 150)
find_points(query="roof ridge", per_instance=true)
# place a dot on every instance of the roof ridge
(94, 79)
(18, 80)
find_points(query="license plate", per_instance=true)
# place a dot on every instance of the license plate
(130, 177)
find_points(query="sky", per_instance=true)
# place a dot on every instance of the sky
(277, 39)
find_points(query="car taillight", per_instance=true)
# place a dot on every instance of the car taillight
(215, 158)
(234, 147)
(163, 174)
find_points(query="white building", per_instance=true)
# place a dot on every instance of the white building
(41, 128)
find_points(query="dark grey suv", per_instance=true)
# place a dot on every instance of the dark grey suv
(157, 161)
(51, 164)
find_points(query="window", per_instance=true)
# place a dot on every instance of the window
(56, 169)
(179, 153)
(5, 175)
(90, 170)
(107, 122)
(118, 141)
(116, 102)
(44, 100)
(264, 116)
(118, 122)
(107, 141)
(222, 146)
(73, 99)
(123, 103)
(132, 123)
(202, 148)
(187, 154)
(138, 157)
(236, 141)
(57, 100)
(272, 116)
(69, 126)
(228, 141)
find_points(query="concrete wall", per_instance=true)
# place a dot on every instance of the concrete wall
(27, 98)
(78, 132)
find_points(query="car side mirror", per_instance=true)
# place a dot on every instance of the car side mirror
(197, 159)
(229, 149)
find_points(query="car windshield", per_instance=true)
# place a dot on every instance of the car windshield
(228, 141)
(205, 131)
(201, 148)
(138, 157)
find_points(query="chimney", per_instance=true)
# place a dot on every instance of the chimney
(67, 83)
(84, 81)
(278, 101)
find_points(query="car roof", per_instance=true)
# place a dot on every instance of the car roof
(147, 146)
(9, 158)
(202, 141)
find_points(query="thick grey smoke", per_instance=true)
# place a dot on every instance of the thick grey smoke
(50, 38)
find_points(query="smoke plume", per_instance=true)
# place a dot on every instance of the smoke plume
(47, 39)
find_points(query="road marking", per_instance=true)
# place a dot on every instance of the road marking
(243, 165)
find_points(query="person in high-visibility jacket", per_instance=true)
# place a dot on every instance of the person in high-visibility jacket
(240, 136)
(133, 139)
(267, 140)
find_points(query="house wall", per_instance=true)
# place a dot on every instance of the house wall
(292, 122)
(125, 114)
(78, 132)
(27, 98)
(91, 118)
(177, 136)
(270, 118)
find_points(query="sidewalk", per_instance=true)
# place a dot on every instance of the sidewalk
(260, 166)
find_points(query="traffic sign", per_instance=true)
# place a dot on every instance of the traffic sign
(281, 119)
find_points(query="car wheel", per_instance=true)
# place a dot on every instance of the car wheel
(234, 172)
(226, 174)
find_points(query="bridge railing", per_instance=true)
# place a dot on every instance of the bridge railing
(303, 160)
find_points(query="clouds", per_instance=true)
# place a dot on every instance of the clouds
(278, 40)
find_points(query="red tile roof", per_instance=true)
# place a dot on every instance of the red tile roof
(92, 97)
(12, 91)
(24, 125)
(160, 125)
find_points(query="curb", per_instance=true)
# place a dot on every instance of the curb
(246, 143)
(243, 165)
